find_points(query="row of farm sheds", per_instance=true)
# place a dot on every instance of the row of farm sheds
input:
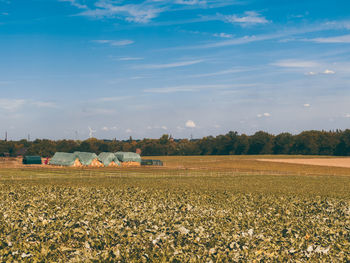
(104, 159)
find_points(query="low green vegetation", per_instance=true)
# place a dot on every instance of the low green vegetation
(173, 215)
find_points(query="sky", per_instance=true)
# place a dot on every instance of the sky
(71, 69)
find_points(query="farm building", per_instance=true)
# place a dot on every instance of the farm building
(129, 158)
(151, 162)
(105, 159)
(31, 160)
(108, 159)
(88, 159)
(65, 159)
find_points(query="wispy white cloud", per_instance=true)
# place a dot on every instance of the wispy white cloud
(298, 15)
(145, 11)
(249, 18)
(207, 34)
(190, 124)
(169, 65)
(138, 77)
(124, 42)
(138, 13)
(44, 104)
(191, 2)
(97, 111)
(162, 127)
(311, 73)
(336, 39)
(347, 115)
(193, 88)
(328, 72)
(15, 104)
(106, 128)
(223, 35)
(218, 73)
(325, 72)
(238, 41)
(285, 35)
(266, 114)
(113, 99)
(130, 58)
(75, 3)
(293, 63)
(11, 104)
(338, 24)
(169, 89)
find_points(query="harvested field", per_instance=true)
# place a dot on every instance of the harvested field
(195, 209)
(217, 164)
(334, 162)
(10, 162)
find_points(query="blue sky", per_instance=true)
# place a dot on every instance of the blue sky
(148, 67)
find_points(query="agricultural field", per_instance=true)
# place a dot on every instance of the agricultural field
(194, 209)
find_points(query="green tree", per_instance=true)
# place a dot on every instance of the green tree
(242, 144)
(85, 147)
(226, 144)
(306, 143)
(343, 147)
(66, 146)
(261, 143)
(283, 143)
(207, 145)
(327, 142)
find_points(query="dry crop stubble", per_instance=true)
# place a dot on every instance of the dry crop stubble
(189, 214)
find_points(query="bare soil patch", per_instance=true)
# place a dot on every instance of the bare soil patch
(333, 162)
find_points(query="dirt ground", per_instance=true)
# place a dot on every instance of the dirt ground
(333, 162)
(16, 162)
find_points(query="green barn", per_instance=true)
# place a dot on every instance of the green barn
(31, 160)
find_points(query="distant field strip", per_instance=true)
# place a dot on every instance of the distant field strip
(229, 165)
(335, 162)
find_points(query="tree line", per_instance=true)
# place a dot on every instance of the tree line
(306, 143)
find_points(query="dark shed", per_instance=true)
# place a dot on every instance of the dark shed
(31, 160)
(151, 162)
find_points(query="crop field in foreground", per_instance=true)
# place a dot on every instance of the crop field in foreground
(195, 209)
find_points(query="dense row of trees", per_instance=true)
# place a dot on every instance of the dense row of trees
(307, 143)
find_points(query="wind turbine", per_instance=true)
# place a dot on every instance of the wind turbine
(91, 131)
